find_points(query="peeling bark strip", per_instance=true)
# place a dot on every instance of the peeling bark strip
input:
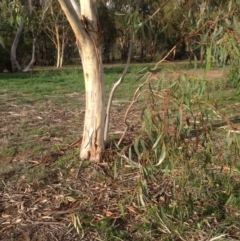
(84, 23)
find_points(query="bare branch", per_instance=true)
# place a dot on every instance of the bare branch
(69, 9)
(115, 86)
(33, 57)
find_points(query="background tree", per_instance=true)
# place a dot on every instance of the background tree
(20, 10)
(107, 20)
(57, 29)
(21, 16)
(6, 37)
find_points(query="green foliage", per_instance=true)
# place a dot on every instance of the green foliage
(5, 59)
(169, 117)
(1, 42)
(12, 10)
(181, 140)
(108, 31)
(228, 50)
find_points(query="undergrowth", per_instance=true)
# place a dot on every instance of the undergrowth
(175, 177)
(194, 147)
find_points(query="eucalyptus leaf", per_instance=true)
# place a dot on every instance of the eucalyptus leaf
(162, 156)
(157, 141)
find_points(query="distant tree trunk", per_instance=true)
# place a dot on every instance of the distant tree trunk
(54, 33)
(62, 53)
(63, 43)
(124, 46)
(58, 46)
(33, 57)
(85, 25)
(14, 62)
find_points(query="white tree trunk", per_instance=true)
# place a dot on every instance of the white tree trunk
(58, 46)
(84, 23)
(14, 62)
(33, 57)
(62, 52)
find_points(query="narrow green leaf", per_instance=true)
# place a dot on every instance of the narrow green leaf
(136, 145)
(230, 200)
(217, 32)
(141, 198)
(180, 119)
(229, 139)
(121, 207)
(195, 61)
(235, 47)
(208, 59)
(204, 38)
(154, 70)
(162, 156)
(157, 141)
(143, 145)
(163, 215)
(150, 135)
(120, 14)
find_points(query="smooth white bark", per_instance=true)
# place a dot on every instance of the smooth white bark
(14, 62)
(32, 59)
(62, 53)
(74, 19)
(58, 46)
(86, 29)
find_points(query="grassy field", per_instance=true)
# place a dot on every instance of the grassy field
(47, 193)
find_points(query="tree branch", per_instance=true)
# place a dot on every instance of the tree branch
(115, 86)
(70, 9)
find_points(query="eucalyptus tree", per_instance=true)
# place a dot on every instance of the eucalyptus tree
(208, 21)
(10, 12)
(149, 38)
(84, 22)
(149, 31)
(19, 11)
(20, 14)
(107, 20)
(56, 26)
(15, 10)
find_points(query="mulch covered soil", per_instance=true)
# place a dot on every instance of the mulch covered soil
(48, 194)
(40, 199)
